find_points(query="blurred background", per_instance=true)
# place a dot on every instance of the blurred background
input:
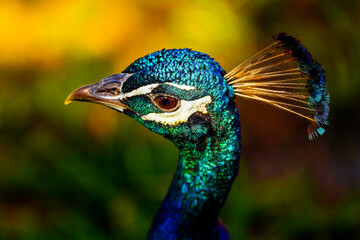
(86, 172)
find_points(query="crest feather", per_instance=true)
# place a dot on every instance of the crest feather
(285, 75)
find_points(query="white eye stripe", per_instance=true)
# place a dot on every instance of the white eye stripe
(147, 89)
(140, 91)
(187, 108)
(183, 87)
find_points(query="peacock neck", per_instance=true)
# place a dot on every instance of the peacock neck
(201, 184)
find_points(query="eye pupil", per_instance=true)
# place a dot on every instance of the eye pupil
(166, 103)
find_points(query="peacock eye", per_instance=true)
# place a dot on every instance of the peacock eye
(166, 103)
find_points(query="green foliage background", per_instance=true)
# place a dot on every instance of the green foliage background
(86, 172)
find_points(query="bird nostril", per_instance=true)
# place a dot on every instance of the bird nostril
(108, 91)
(114, 91)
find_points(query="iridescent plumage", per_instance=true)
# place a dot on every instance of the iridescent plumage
(186, 97)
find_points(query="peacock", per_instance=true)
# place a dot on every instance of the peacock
(188, 98)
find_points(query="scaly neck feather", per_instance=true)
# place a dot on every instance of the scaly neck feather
(201, 184)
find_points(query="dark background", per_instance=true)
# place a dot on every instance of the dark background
(86, 172)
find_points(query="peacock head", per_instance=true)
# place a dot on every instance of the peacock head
(183, 94)
(177, 93)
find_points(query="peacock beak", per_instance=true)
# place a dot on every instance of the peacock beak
(106, 92)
